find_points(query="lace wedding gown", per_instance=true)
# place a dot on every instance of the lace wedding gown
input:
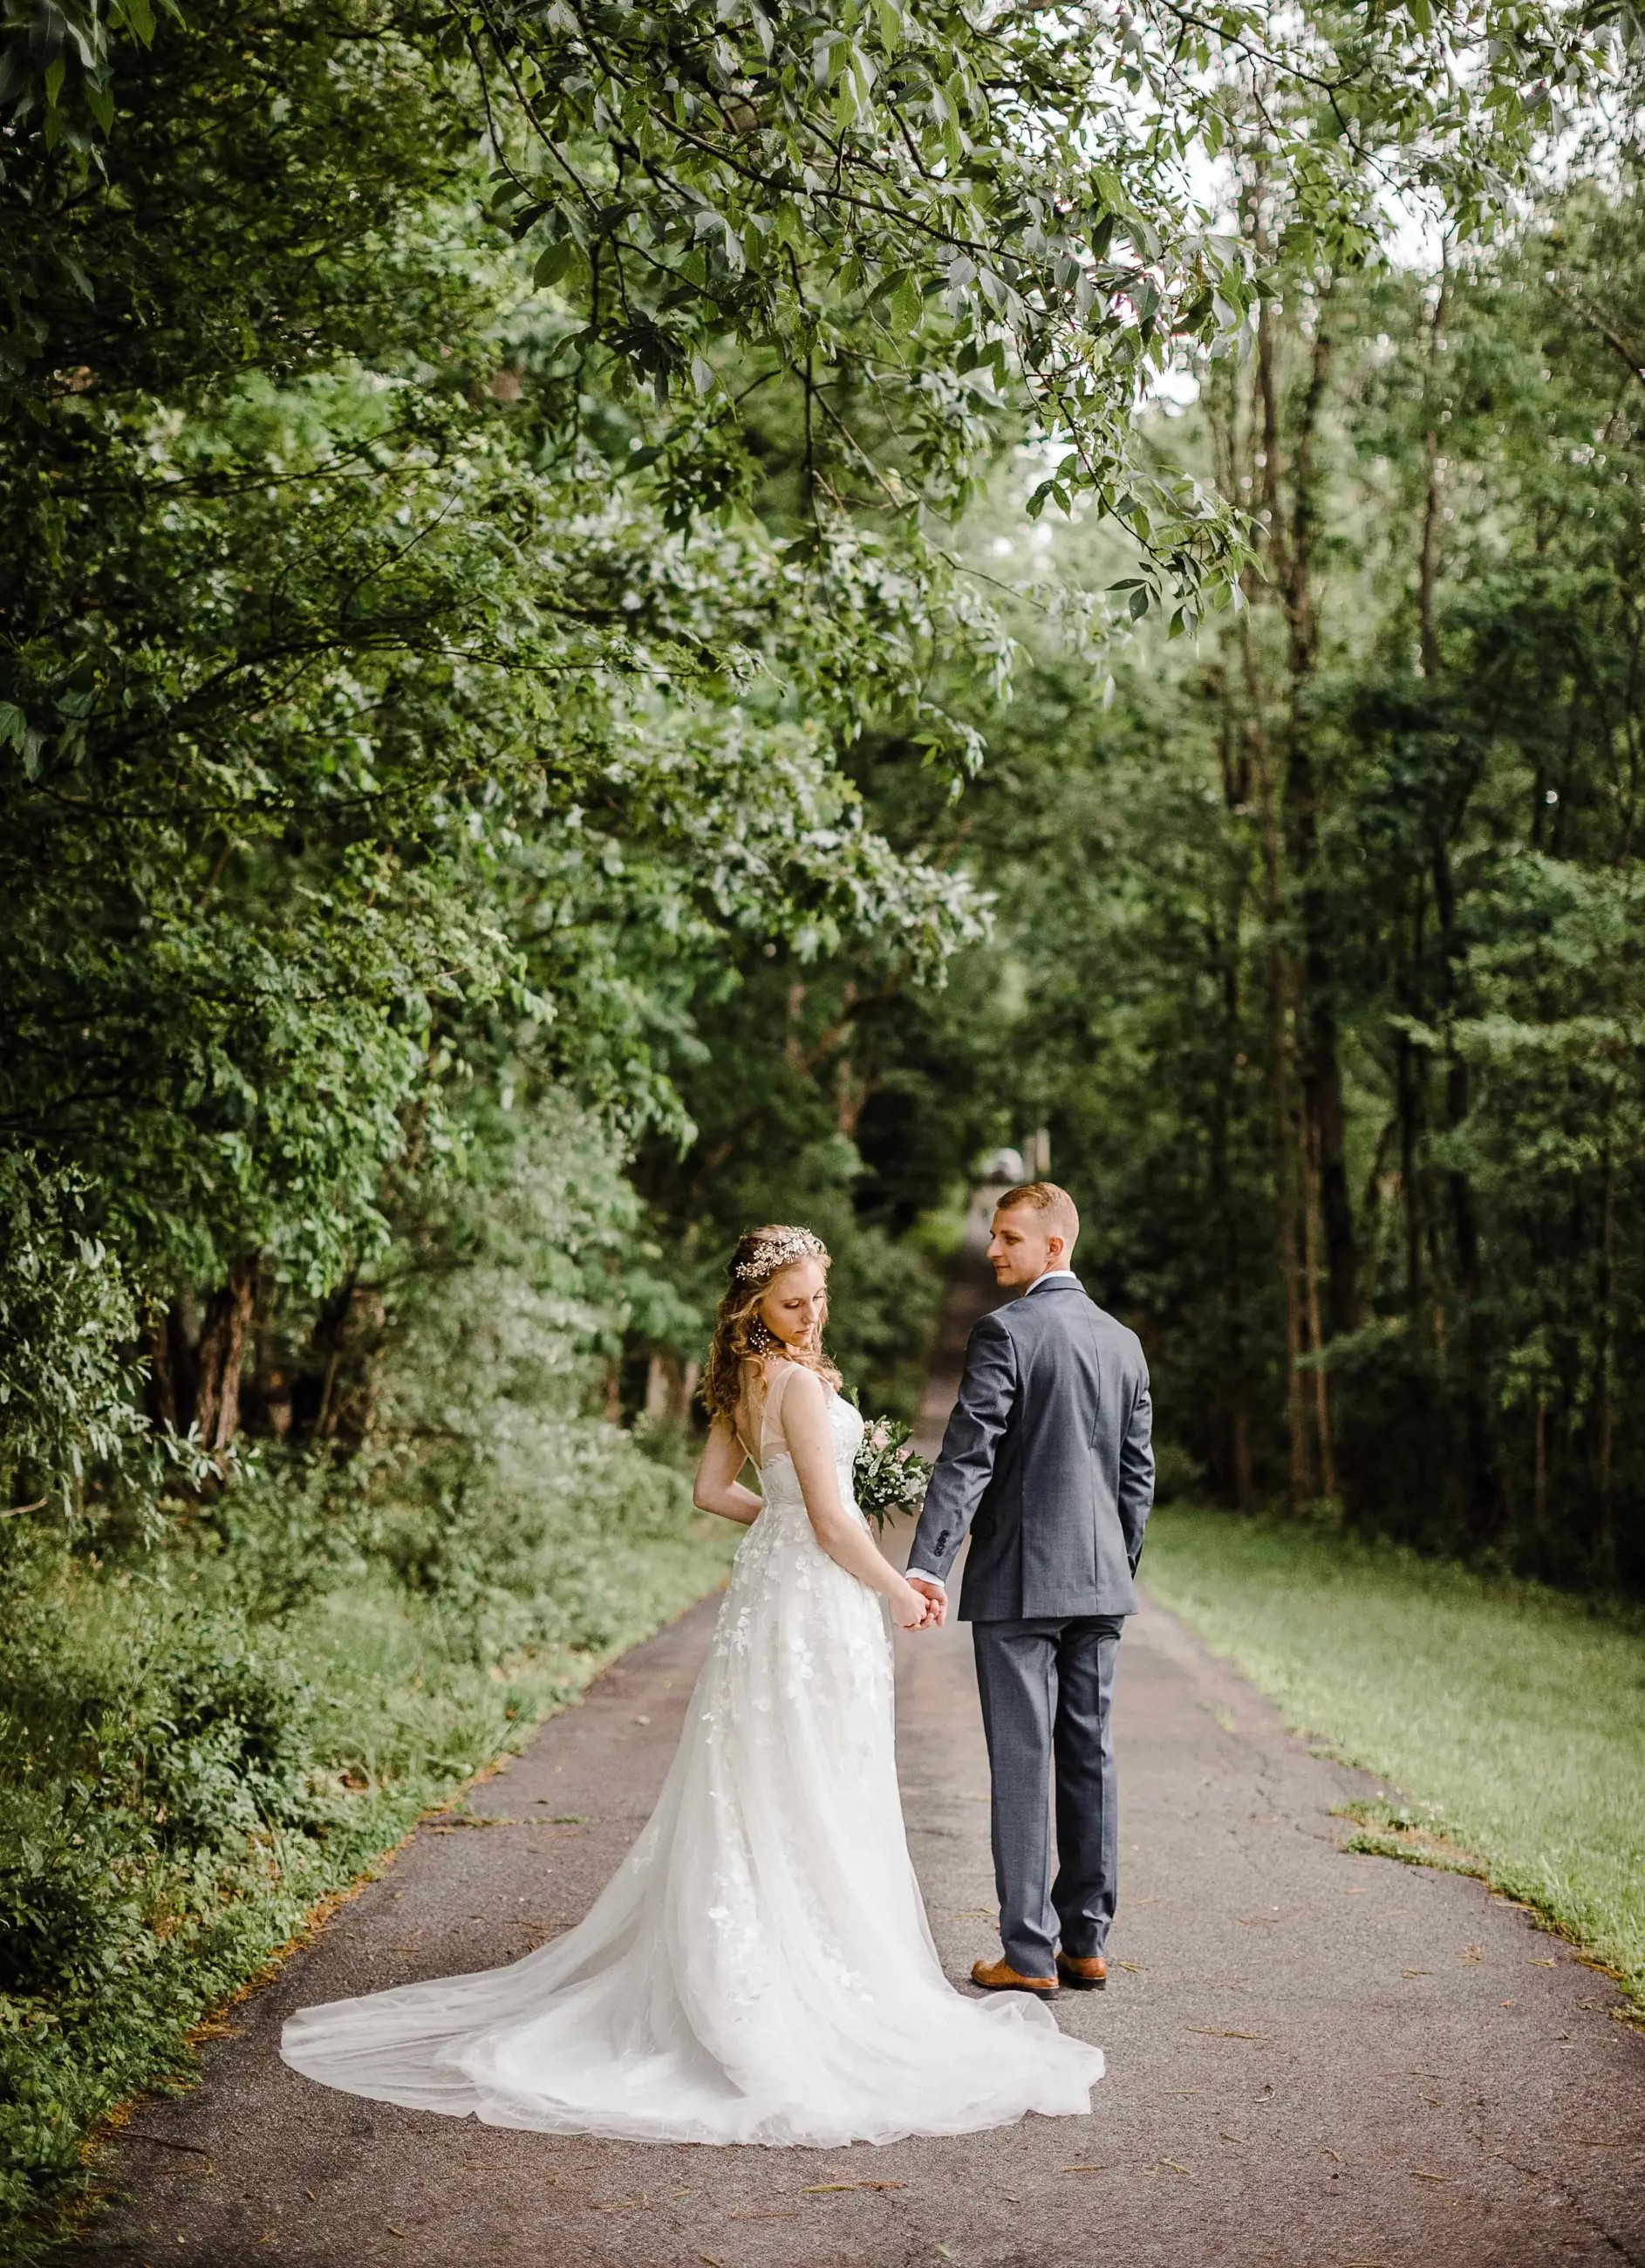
(760, 1968)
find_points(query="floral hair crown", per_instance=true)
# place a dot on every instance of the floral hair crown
(777, 1252)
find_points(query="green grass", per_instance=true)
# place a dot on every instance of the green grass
(1511, 1719)
(375, 1705)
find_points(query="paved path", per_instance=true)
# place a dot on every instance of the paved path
(1315, 2059)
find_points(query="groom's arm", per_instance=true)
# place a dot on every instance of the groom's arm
(1136, 1470)
(965, 1464)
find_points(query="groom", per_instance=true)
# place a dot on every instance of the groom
(1047, 1464)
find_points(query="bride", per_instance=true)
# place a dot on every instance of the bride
(760, 1968)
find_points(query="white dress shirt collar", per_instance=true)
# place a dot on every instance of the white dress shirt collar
(1053, 1276)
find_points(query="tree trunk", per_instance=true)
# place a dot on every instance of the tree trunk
(1606, 1541)
(349, 1334)
(220, 1356)
(1281, 1045)
(1319, 1041)
(1312, 1236)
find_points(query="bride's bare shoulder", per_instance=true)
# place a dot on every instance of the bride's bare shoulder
(800, 1385)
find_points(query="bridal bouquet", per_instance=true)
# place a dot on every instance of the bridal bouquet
(889, 1477)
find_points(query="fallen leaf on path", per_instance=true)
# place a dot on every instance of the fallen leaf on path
(945, 2254)
(1331, 2154)
(1176, 2168)
(1417, 1972)
(1417, 2175)
(1536, 1961)
(1084, 2169)
(1211, 2032)
(1182, 2090)
(1227, 2137)
(709, 2260)
(1133, 1968)
(1359, 1890)
(393, 2231)
(765, 2216)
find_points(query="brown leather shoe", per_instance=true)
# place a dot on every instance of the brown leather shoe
(1084, 1973)
(1000, 1977)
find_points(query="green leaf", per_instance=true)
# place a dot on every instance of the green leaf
(553, 260)
(906, 306)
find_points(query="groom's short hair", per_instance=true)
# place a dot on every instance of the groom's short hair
(1060, 1211)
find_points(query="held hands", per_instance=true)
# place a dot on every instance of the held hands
(936, 1598)
(927, 1606)
(911, 1609)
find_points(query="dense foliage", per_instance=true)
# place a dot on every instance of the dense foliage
(1320, 946)
(502, 636)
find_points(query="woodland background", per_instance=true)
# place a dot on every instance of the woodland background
(619, 620)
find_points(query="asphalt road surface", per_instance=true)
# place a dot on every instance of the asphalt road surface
(1315, 2059)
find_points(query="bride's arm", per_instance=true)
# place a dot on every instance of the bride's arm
(717, 1488)
(804, 1417)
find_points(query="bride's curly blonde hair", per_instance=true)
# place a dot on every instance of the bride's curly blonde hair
(739, 1334)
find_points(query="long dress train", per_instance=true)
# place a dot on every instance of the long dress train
(760, 1968)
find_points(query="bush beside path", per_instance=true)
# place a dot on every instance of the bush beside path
(183, 1781)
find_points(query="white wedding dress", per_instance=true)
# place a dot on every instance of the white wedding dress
(760, 1968)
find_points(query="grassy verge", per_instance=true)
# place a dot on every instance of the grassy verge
(181, 1782)
(1512, 1718)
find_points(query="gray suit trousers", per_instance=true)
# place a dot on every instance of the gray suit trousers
(1047, 1686)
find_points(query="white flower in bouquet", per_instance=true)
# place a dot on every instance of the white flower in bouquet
(889, 1479)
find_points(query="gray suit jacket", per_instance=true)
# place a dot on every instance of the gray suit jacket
(1047, 1462)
